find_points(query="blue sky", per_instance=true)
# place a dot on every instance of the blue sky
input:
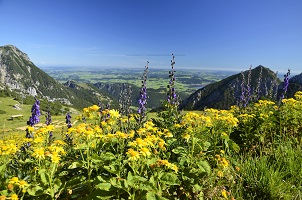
(204, 34)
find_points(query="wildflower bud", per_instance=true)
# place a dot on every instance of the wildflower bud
(69, 191)
(10, 187)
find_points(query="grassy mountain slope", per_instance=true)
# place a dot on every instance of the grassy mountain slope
(225, 93)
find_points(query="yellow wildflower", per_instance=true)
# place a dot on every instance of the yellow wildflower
(23, 184)
(114, 113)
(55, 159)
(162, 162)
(186, 136)
(224, 162)
(30, 128)
(39, 153)
(224, 194)
(174, 167)
(38, 140)
(168, 133)
(161, 145)
(131, 134)
(133, 155)
(2, 197)
(94, 108)
(220, 173)
(14, 197)
(145, 152)
(14, 180)
(10, 187)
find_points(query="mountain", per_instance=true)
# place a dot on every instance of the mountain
(236, 89)
(295, 84)
(19, 75)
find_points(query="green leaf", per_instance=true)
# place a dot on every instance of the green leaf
(103, 179)
(235, 146)
(169, 178)
(204, 166)
(103, 186)
(35, 190)
(2, 168)
(63, 173)
(206, 146)
(57, 184)
(179, 150)
(44, 177)
(154, 196)
(74, 165)
(196, 188)
(113, 168)
(119, 183)
(139, 182)
(75, 180)
(108, 156)
(101, 194)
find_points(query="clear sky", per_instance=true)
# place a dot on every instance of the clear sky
(205, 34)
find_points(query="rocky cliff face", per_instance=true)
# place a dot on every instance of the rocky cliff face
(18, 73)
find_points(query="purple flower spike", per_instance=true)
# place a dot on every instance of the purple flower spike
(172, 97)
(143, 95)
(34, 118)
(285, 84)
(68, 120)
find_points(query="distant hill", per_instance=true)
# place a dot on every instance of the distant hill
(20, 76)
(222, 94)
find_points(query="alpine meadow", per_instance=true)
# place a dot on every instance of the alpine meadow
(221, 136)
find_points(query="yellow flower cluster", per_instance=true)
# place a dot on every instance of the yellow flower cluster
(222, 117)
(221, 161)
(196, 120)
(21, 184)
(8, 147)
(54, 151)
(165, 163)
(298, 95)
(264, 103)
(246, 117)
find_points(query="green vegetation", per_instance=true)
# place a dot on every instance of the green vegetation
(242, 153)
